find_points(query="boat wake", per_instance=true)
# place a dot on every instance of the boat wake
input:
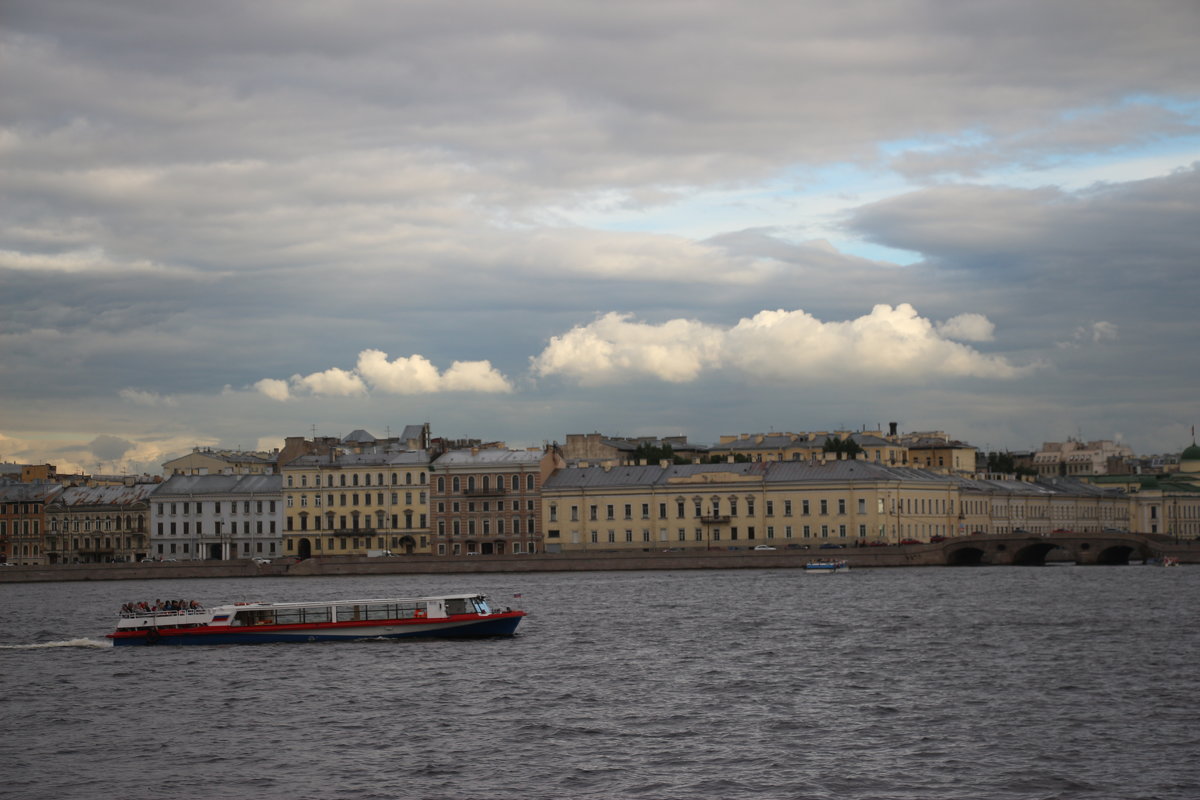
(94, 643)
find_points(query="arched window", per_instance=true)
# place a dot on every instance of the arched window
(516, 483)
(529, 482)
(367, 478)
(354, 479)
(441, 485)
(455, 484)
(343, 479)
(470, 483)
(408, 479)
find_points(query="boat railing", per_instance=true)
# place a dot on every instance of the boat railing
(162, 613)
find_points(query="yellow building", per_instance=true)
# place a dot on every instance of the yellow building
(777, 504)
(210, 461)
(346, 503)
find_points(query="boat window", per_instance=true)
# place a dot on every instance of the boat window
(457, 606)
(349, 613)
(316, 614)
(259, 617)
(287, 616)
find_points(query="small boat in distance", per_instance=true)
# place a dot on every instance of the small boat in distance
(828, 565)
(1170, 561)
(450, 615)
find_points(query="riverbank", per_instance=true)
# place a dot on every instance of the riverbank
(434, 565)
(927, 555)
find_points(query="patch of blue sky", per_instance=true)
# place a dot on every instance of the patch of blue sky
(804, 200)
(876, 252)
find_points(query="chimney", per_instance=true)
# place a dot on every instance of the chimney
(892, 428)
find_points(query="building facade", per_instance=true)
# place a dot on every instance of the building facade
(218, 517)
(488, 501)
(98, 524)
(210, 461)
(344, 503)
(23, 522)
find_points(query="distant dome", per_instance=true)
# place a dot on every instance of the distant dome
(1190, 454)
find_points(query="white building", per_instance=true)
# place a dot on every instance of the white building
(196, 517)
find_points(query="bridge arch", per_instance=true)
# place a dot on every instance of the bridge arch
(965, 557)
(1033, 555)
(1118, 554)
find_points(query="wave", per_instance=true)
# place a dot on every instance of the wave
(95, 643)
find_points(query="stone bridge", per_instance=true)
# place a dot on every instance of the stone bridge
(1025, 549)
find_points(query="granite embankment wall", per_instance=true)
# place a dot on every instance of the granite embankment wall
(432, 565)
(1001, 550)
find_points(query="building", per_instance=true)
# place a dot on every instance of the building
(806, 504)
(344, 503)
(220, 517)
(738, 505)
(23, 521)
(98, 524)
(488, 501)
(1075, 458)
(210, 461)
(596, 448)
(768, 447)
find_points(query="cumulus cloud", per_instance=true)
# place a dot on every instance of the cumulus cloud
(613, 348)
(405, 375)
(334, 382)
(968, 328)
(274, 388)
(774, 345)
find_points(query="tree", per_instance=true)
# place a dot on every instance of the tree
(848, 446)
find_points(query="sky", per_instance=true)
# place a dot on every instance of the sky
(225, 223)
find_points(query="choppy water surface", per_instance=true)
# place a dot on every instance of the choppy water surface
(1056, 682)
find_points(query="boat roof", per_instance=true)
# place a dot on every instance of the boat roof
(267, 604)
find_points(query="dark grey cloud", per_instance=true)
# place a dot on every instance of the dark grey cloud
(201, 195)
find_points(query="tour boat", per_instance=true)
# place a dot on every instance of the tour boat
(1170, 561)
(828, 565)
(321, 621)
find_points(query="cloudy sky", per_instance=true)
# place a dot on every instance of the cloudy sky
(223, 223)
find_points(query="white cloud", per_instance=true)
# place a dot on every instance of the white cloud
(274, 388)
(410, 375)
(474, 376)
(613, 349)
(785, 345)
(968, 328)
(335, 382)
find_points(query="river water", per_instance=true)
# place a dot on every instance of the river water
(924, 683)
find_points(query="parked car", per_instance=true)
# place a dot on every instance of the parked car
(936, 539)
(764, 547)
(261, 561)
(910, 541)
(832, 546)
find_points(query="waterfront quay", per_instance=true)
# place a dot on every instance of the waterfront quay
(986, 550)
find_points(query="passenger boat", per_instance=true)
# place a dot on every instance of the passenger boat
(449, 615)
(1170, 561)
(828, 565)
